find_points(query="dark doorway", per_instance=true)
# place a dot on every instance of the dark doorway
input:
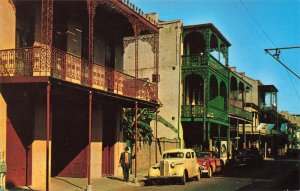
(19, 135)
(109, 139)
(69, 137)
(192, 134)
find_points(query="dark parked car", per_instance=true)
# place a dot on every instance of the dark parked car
(292, 154)
(246, 157)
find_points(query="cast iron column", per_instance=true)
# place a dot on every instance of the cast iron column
(90, 139)
(136, 137)
(219, 140)
(156, 144)
(47, 135)
(244, 136)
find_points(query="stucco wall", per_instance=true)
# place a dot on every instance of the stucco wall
(7, 25)
(169, 70)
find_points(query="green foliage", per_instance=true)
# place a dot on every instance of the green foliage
(144, 118)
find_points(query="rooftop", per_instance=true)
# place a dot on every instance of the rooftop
(210, 26)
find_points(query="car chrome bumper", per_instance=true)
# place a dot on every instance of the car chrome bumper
(163, 177)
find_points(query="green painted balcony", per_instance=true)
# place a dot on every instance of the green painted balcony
(192, 111)
(239, 112)
(196, 61)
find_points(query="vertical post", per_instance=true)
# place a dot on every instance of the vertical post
(47, 135)
(219, 140)
(90, 139)
(156, 144)
(244, 136)
(91, 12)
(136, 58)
(136, 137)
(237, 134)
(208, 135)
(228, 141)
(205, 139)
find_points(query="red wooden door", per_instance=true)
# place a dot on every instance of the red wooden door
(107, 160)
(15, 158)
(76, 168)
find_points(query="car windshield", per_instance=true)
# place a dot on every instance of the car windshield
(173, 155)
(204, 155)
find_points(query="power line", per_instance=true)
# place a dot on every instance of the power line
(247, 10)
(276, 57)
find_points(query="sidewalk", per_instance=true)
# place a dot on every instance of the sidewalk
(79, 184)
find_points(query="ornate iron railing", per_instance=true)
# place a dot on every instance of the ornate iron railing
(216, 113)
(201, 60)
(33, 61)
(192, 60)
(236, 103)
(215, 64)
(192, 111)
(239, 112)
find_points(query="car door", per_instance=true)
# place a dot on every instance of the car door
(188, 163)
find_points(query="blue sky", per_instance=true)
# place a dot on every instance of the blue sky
(250, 26)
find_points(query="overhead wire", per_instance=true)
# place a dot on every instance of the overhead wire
(271, 41)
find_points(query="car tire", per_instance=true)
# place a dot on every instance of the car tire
(209, 174)
(183, 178)
(198, 175)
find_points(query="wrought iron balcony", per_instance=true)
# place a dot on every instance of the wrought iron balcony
(33, 61)
(201, 60)
(216, 109)
(239, 112)
(192, 111)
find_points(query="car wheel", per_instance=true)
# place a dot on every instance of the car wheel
(198, 175)
(183, 179)
(209, 174)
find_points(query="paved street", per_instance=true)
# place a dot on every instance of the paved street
(272, 175)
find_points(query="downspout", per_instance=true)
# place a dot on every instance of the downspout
(179, 86)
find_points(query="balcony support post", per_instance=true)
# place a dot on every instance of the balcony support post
(136, 138)
(156, 142)
(47, 136)
(205, 130)
(46, 31)
(228, 141)
(208, 136)
(219, 140)
(91, 11)
(237, 134)
(90, 139)
(244, 136)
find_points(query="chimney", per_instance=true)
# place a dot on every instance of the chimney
(233, 69)
(152, 17)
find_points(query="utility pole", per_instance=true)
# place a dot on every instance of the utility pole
(276, 56)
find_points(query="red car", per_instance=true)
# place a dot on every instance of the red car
(209, 163)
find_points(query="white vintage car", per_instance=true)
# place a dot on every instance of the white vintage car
(176, 164)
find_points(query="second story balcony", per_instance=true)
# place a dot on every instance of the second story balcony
(196, 61)
(34, 62)
(239, 112)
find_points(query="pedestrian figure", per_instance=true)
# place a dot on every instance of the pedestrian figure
(125, 163)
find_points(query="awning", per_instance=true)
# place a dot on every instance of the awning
(265, 128)
(283, 127)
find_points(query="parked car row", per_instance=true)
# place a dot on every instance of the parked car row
(246, 157)
(181, 164)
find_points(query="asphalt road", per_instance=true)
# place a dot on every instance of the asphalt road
(271, 175)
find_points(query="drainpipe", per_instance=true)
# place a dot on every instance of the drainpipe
(178, 54)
